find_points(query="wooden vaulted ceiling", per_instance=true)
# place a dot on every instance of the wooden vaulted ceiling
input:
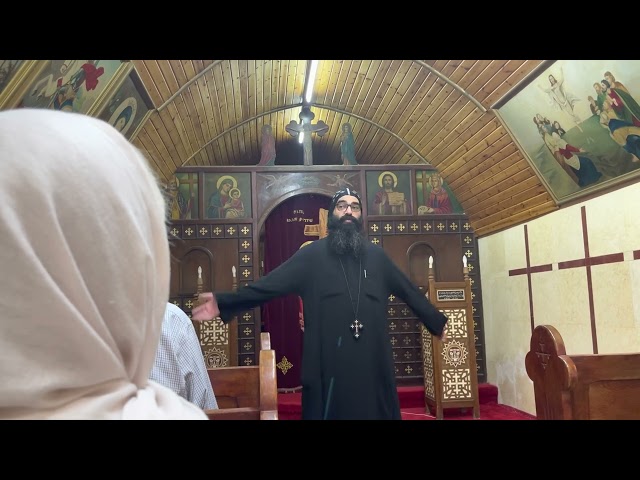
(210, 112)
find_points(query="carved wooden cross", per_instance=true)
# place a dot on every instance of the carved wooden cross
(305, 126)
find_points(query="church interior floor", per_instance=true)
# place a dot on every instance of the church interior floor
(412, 406)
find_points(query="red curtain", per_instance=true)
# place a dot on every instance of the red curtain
(283, 236)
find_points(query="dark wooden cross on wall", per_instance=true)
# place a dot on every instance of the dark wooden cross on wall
(305, 126)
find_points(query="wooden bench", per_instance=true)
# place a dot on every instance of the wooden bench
(247, 392)
(581, 387)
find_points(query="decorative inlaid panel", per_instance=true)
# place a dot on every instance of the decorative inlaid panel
(245, 245)
(413, 226)
(427, 226)
(216, 357)
(189, 231)
(203, 231)
(453, 226)
(427, 363)
(245, 230)
(456, 384)
(457, 324)
(245, 259)
(214, 332)
(401, 226)
(376, 241)
(245, 273)
(387, 227)
(176, 231)
(375, 228)
(231, 231)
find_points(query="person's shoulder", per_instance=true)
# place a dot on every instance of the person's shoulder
(375, 251)
(176, 314)
(314, 246)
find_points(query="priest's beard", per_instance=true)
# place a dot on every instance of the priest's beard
(345, 238)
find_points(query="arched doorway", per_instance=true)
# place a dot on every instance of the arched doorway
(289, 225)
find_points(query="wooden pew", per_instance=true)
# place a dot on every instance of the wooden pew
(247, 392)
(581, 387)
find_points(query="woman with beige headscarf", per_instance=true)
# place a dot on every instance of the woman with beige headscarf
(84, 258)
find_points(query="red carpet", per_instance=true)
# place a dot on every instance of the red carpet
(412, 406)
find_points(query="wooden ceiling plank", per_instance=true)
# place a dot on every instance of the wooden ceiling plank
(147, 81)
(397, 89)
(209, 126)
(367, 85)
(346, 80)
(188, 115)
(472, 74)
(376, 95)
(165, 167)
(430, 117)
(254, 130)
(454, 142)
(360, 74)
(497, 178)
(201, 127)
(411, 85)
(512, 81)
(508, 69)
(480, 170)
(522, 192)
(376, 91)
(390, 96)
(455, 166)
(180, 136)
(223, 79)
(238, 98)
(465, 123)
(530, 203)
(446, 118)
(213, 87)
(177, 68)
(420, 115)
(164, 144)
(191, 68)
(490, 225)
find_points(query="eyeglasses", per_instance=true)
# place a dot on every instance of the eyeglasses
(341, 207)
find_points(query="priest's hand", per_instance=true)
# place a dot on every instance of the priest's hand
(207, 308)
(443, 337)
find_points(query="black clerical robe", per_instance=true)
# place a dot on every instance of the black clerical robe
(343, 377)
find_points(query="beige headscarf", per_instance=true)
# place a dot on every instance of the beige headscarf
(84, 272)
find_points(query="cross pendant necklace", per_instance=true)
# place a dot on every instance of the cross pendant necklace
(356, 326)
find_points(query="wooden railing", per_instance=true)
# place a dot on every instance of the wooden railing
(581, 387)
(247, 392)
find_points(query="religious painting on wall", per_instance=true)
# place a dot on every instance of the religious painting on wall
(8, 71)
(434, 195)
(129, 106)
(69, 85)
(182, 196)
(389, 192)
(578, 123)
(227, 195)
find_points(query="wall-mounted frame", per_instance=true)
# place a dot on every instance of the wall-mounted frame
(434, 195)
(13, 74)
(578, 124)
(389, 192)
(227, 195)
(126, 104)
(71, 85)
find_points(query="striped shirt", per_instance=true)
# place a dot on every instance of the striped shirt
(179, 364)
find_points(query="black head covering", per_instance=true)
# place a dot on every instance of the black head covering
(342, 193)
